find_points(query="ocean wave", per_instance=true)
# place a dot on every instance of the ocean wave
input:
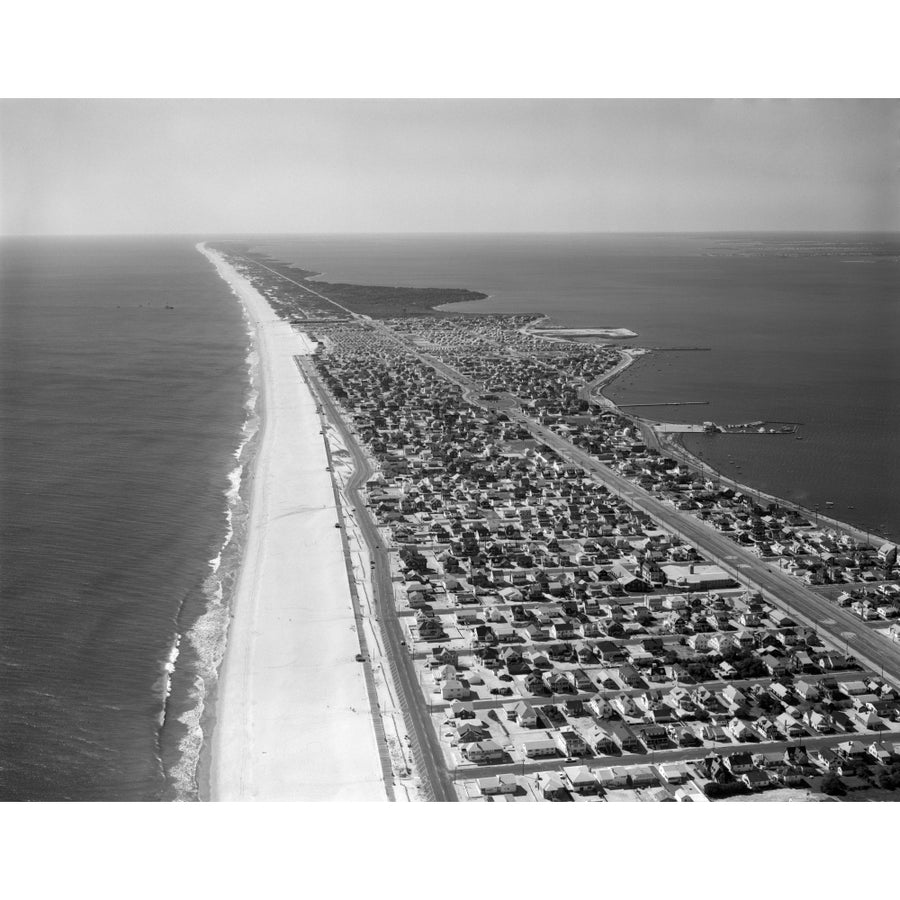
(164, 683)
(169, 666)
(207, 637)
(234, 479)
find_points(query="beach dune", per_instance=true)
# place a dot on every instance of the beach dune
(292, 717)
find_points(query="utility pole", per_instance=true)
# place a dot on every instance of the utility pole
(846, 635)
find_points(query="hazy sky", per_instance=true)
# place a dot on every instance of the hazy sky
(174, 166)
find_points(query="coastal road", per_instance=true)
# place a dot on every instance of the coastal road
(304, 287)
(426, 747)
(842, 628)
(670, 444)
(872, 649)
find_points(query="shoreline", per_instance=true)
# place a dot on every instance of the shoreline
(289, 717)
(193, 666)
(671, 443)
(664, 441)
(226, 576)
(250, 452)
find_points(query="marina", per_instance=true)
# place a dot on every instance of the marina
(711, 428)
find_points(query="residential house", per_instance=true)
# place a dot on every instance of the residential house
(674, 772)
(740, 731)
(807, 690)
(739, 763)
(642, 776)
(570, 743)
(538, 747)
(624, 738)
(430, 629)
(453, 689)
(601, 740)
(613, 777)
(600, 707)
(866, 719)
(714, 733)
(484, 752)
(461, 709)
(470, 733)
(525, 714)
(534, 684)
(733, 699)
(655, 737)
(820, 722)
(881, 753)
(789, 726)
(554, 790)
(756, 780)
(775, 665)
(625, 705)
(581, 780)
(557, 683)
(498, 784)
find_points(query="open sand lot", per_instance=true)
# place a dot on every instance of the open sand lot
(292, 718)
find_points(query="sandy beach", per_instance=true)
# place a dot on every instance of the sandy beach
(292, 717)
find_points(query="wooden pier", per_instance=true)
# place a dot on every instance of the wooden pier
(666, 403)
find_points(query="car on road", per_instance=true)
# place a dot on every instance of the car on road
(502, 691)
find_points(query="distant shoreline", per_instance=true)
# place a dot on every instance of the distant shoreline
(375, 300)
(567, 334)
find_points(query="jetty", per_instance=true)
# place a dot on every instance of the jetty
(667, 403)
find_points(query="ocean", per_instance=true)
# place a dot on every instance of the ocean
(126, 427)
(121, 420)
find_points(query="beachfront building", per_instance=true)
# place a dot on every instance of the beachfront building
(538, 581)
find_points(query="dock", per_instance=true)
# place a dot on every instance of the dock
(666, 403)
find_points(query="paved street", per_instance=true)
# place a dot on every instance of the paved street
(840, 627)
(664, 756)
(425, 745)
(782, 589)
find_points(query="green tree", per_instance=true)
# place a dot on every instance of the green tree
(833, 786)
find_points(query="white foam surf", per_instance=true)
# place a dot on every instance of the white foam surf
(208, 635)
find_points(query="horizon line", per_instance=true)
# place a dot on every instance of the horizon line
(219, 235)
